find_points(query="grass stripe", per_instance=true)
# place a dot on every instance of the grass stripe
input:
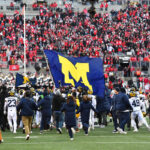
(90, 136)
(92, 142)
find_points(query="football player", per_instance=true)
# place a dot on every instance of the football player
(10, 105)
(136, 105)
(93, 101)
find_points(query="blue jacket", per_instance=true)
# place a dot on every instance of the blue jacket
(103, 104)
(122, 102)
(70, 118)
(113, 103)
(84, 108)
(46, 105)
(27, 107)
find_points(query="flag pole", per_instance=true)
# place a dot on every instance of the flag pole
(49, 68)
(24, 40)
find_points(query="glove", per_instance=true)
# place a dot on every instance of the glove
(144, 114)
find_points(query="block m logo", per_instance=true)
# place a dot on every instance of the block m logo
(78, 71)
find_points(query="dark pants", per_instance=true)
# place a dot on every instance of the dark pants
(124, 117)
(45, 122)
(115, 117)
(70, 131)
(102, 117)
(85, 127)
(58, 115)
(129, 123)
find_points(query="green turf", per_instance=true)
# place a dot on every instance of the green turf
(99, 139)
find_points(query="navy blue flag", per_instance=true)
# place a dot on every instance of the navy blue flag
(77, 71)
(32, 81)
(20, 79)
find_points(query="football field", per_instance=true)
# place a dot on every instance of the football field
(99, 139)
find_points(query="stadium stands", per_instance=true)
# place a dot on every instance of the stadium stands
(107, 35)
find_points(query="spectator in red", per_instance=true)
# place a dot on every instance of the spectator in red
(106, 6)
(101, 6)
(138, 72)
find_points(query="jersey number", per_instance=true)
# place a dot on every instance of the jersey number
(136, 103)
(12, 103)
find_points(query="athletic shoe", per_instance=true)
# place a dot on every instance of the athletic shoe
(59, 130)
(135, 130)
(14, 132)
(73, 130)
(27, 137)
(86, 134)
(115, 131)
(121, 131)
(1, 141)
(71, 139)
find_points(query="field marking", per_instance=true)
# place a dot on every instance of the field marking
(89, 136)
(36, 143)
(22, 137)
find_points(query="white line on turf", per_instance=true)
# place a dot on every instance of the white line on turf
(136, 142)
(90, 136)
(22, 137)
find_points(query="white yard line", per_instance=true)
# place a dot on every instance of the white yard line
(92, 142)
(90, 136)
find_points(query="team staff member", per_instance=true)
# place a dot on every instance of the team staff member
(45, 105)
(57, 103)
(70, 119)
(114, 111)
(85, 108)
(27, 106)
(123, 108)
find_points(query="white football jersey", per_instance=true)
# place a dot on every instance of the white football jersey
(36, 97)
(11, 103)
(93, 100)
(135, 103)
(143, 106)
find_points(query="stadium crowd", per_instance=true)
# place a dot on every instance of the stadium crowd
(77, 34)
